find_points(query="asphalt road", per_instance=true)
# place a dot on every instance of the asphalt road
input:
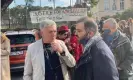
(19, 75)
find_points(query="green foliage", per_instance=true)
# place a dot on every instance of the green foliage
(29, 2)
(106, 17)
(89, 14)
(124, 15)
(127, 14)
(34, 8)
(20, 16)
(118, 15)
(93, 2)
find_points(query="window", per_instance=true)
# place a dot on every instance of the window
(121, 4)
(106, 4)
(21, 39)
(114, 5)
(132, 3)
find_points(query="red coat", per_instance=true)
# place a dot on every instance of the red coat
(76, 47)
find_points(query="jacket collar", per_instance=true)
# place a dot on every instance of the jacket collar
(92, 41)
(119, 39)
(86, 56)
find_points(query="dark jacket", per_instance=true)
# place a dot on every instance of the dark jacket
(123, 51)
(96, 63)
(101, 25)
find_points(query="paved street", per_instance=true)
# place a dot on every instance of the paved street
(18, 75)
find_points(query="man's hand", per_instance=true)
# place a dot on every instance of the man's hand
(57, 47)
(67, 40)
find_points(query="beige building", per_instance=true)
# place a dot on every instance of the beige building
(111, 7)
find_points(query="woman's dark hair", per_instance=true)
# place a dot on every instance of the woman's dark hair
(39, 35)
(38, 32)
(73, 29)
(62, 32)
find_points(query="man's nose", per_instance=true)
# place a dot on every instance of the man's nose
(54, 33)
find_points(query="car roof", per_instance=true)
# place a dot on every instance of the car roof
(19, 32)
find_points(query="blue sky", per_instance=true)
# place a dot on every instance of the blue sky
(43, 3)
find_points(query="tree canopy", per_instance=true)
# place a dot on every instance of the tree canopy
(19, 15)
(124, 15)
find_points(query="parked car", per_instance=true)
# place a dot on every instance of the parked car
(19, 42)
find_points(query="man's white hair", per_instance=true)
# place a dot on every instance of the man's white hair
(112, 23)
(47, 23)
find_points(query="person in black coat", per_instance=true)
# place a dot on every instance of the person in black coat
(97, 61)
(101, 25)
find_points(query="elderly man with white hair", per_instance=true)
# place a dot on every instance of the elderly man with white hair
(120, 46)
(48, 58)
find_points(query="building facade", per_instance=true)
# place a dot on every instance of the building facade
(109, 7)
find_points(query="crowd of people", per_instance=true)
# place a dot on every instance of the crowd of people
(89, 50)
(125, 26)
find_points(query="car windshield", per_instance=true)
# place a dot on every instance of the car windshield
(21, 39)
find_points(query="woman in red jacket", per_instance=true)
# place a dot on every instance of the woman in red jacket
(64, 35)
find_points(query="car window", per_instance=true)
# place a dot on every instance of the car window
(21, 39)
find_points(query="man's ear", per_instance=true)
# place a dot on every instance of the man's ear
(41, 33)
(91, 34)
